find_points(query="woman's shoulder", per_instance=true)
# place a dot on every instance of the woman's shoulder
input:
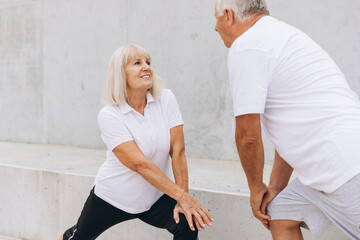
(166, 94)
(108, 109)
(111, 111)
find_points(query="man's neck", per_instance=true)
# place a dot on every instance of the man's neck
(243, 27)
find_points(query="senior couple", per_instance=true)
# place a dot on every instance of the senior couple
(282, 82)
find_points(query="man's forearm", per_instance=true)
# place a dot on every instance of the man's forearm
(250, 148)
(251, 151)
(280, 174)
(251, 154)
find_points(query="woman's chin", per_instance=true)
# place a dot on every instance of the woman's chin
(149, 85)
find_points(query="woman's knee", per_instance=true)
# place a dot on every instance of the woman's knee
(182, 231)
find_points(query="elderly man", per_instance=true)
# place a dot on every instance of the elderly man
(283, 81)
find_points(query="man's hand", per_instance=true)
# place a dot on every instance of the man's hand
(269, 196)
(192, 211)
(256, 199)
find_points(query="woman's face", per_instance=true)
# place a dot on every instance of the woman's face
(139, 74)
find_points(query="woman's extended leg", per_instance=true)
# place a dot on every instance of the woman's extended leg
(96, 217)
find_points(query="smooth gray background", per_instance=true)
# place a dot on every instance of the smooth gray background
(55, 53)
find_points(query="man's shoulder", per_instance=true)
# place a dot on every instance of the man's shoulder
(268, 35)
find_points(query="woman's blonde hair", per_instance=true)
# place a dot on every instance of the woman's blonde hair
(115, 86)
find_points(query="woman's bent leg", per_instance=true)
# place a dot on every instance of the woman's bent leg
(161, 215)
(96, 217)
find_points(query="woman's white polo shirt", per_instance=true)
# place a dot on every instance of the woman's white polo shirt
(117, 184)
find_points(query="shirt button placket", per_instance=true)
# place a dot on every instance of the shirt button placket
(147, 123)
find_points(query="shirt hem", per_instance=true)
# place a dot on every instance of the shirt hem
(340, 181)
(248, 110)
(122, 207)
(116, 143)
(176, 123)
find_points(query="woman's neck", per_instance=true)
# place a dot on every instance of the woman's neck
(137, 100)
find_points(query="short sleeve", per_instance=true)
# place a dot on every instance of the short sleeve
(172, 109)
(249, 74)
(113, 129)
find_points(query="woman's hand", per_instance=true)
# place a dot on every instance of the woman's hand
(193, 211)
(177, 210)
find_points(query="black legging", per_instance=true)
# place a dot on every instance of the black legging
(98, 216)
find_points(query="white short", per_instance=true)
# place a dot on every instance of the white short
(317, 209)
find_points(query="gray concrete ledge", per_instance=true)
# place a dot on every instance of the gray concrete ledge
(2, 237)
(44, 188)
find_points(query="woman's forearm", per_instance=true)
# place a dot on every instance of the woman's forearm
(152, 174)
(177, 153)
(130, 155)
(180, 170)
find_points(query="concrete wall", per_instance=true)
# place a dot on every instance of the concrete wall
(21, 80)
(54, 57)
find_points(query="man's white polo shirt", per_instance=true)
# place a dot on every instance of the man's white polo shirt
(117, 184)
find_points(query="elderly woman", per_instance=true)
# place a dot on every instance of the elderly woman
(141, 126)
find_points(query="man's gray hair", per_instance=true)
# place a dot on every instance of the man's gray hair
(243, 9)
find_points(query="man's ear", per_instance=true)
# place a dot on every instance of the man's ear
(230, 17)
